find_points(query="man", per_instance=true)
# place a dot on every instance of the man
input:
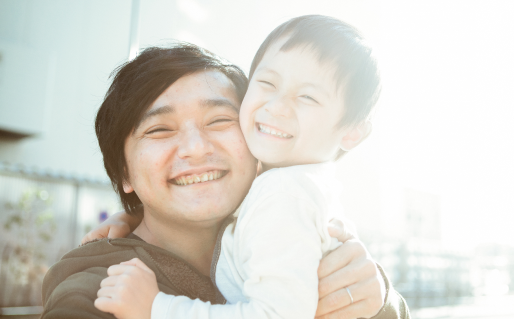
(171, 113)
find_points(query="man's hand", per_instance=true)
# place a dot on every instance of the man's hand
(349, 266)
(119, 225)
(129, 290)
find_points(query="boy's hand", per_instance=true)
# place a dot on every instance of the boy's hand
(119, 225)
(349, 266)
(129, 290)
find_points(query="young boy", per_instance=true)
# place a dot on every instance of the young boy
(313, 84)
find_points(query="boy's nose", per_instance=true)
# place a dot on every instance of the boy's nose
(279, 107)
(194, 144)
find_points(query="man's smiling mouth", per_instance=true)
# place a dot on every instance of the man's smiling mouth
(199, 178)
(272, 131)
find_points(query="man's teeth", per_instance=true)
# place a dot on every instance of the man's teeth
(268, 130)
(193, 179)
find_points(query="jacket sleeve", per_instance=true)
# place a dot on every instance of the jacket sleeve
(74, 297)
(395, 306)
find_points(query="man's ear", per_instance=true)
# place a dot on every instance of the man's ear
(355, 135)
(127, 188)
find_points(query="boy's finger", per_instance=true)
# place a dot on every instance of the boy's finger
(110, 281)
(137, 263)
(107, 292)
(116, 270)
(104, 304)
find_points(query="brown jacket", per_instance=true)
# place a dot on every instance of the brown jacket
(70, 286)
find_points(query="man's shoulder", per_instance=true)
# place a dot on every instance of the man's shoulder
(70, 286)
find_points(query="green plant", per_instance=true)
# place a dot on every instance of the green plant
(32, 223)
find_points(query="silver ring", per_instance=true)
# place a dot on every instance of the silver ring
(349, 294)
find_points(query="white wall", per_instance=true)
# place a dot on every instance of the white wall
(79, 43)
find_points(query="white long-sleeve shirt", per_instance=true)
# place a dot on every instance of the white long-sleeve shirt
(267, 267)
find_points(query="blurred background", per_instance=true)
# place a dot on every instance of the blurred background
(431, 192)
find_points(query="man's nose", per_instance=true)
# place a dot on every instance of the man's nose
(194, 144)
(279, 107)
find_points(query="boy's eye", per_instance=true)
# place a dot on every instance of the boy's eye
(267, 83)
(309, 98)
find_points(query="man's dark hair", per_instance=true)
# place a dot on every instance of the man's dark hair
(343, 47)
(135, 86)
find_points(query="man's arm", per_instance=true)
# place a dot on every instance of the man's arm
(350, 266)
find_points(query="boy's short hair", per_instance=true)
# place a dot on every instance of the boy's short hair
(341, 45)
(135, 86)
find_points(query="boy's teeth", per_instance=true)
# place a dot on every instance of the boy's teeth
(267, 130)
(193, 179)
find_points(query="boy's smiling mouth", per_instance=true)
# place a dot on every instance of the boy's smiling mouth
(272, 131)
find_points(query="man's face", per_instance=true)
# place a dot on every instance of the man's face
(187, 160)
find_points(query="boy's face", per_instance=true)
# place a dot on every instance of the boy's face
(291, 111)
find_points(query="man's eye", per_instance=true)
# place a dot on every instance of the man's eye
(157, 130)
(220, 121)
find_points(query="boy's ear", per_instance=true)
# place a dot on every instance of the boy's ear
(356, 135)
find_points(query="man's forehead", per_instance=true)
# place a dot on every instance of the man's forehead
(199, 86)
(206, 90)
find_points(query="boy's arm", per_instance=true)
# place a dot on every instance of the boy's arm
(278, 268)
(119, 225)
(379, 300)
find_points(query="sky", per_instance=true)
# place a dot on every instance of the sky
(444, 124)
(447, 111)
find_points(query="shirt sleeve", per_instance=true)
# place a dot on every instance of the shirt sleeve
(394, 306)
(279, 249)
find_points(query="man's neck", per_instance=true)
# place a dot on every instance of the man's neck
(192, 242)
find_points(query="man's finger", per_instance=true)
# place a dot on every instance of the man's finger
(351, 311)
(118, 232)
(341, 231)
(339, 258)
(92, 235)
(349, 275)
(339, 299)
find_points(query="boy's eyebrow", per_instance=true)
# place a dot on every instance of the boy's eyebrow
(219, 102)
(266, 69)
(317, 87)
(314, 86)
(165, 109)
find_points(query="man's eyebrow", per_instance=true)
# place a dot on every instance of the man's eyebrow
(165, 109)
(220, 102)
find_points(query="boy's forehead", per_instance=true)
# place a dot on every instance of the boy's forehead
(300, 60)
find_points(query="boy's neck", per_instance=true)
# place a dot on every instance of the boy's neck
(193, 243)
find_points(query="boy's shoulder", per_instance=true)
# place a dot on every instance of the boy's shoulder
(299, 180)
